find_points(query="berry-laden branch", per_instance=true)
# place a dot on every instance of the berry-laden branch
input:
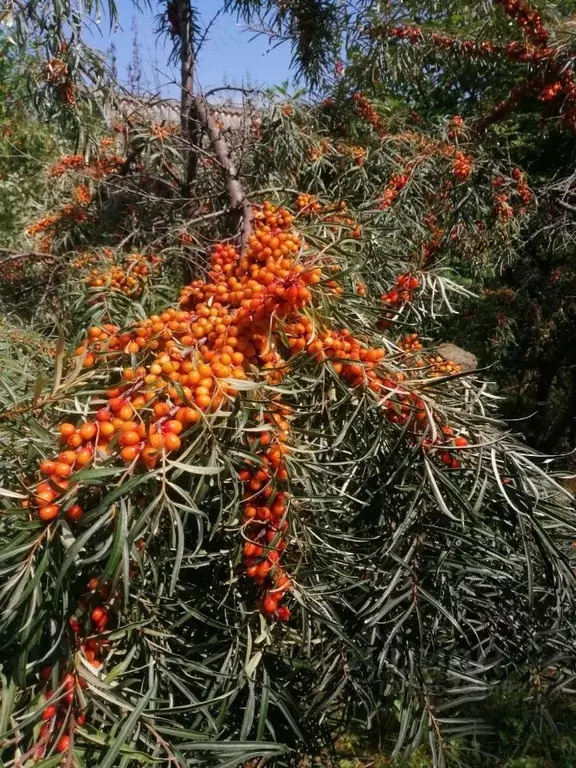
(555, 78)
(240, 208)
(252, 320)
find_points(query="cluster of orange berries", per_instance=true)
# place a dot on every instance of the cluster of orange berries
(455, 127)
(57, 74)
(87, 259)
(66, 164)
(100, 168)
(462, 165)
(522, 188)
(70, 212)
(438, 366)
(503, 206)
(432, 245)
(551, 91)
(57, 714)
(410, 343)
(81, 194)
(332, 213)
(536, 51)
(445, 445)
(128, 277)
(435, 365)
(306, 203)
(264, 512)
(318, 150)
(402, 292)
(351, 360)
(568, 108)
(357, 153)
(406, 409)
(245, 320)
(515, 51)
(56, 71)
(529, 20)
(396, 184)
(366, 111)
(162, 131)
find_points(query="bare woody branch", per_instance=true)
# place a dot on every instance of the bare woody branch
(240, 207)
(9, 254)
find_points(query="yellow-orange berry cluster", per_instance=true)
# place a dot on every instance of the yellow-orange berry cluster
(331, 213)
(366, 110)
(410, 343)
(128, 276)
(357, 153)
(247, 320)
(396, 184)
(438, 366)
(264, 512)
(462, 165)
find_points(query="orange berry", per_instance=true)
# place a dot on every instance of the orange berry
(173, 426)
(88, 431)
(269, 605)
(156, 440)
(129, 438)
(67, 429)
(99, 615)
(62, 469)
(48, 512)
(75, 512)
(171, 441)
(45, 496)
(126, 412)
(63, 743)
(68, 457)
(129, 453)
(203, 401)
(83, 457)
(161, 409)
(106, 429)
(75, 440)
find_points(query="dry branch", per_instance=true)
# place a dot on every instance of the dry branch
(240, 207)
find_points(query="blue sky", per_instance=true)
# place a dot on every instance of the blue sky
(230, 55)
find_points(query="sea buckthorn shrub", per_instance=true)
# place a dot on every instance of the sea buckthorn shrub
(500, 76)
(255, 508)
(236, 516)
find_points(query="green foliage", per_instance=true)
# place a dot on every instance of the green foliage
(429, 558)
(26, 146)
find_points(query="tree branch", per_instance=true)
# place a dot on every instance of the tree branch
(240, 207)
(15, 255)
(187, 61)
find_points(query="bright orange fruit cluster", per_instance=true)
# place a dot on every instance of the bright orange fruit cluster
(247, 320)
(127, 275)
(265, 508)
(331, 213)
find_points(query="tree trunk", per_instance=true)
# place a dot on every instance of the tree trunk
(188, 124)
